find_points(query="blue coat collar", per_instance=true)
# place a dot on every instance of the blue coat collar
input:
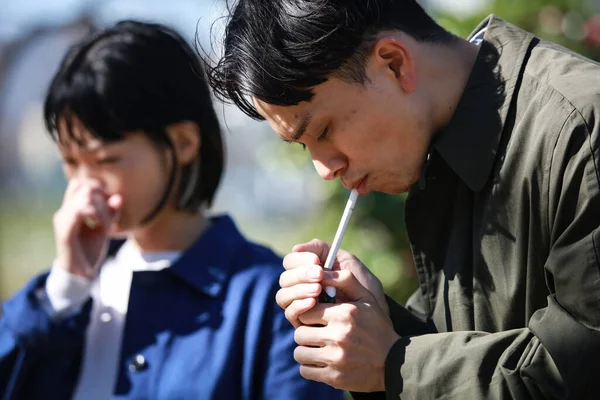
(209, 262)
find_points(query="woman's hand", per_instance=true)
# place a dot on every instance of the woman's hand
(82, 226)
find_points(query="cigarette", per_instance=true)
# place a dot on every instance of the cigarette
(337, 241)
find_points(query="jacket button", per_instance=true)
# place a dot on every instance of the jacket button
(138, 363)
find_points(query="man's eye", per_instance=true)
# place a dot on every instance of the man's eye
(323, 134)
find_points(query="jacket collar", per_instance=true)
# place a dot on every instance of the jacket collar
(209, 262)
(469, 144)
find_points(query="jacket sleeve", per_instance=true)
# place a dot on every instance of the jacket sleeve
(407, 321)
(556, 355)
(39, 354)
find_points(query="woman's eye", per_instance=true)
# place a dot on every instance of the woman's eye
(68, 161)
(108, 160)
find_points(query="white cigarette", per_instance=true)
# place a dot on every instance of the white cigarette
(339, 235)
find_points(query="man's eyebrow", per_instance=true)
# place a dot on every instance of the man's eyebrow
(304, 122)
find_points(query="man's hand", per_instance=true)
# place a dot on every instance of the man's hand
(349, 348)
(301, 281)
(343, 345)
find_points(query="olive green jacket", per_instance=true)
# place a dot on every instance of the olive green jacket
(504, 230)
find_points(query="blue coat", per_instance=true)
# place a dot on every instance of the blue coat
(207, 327)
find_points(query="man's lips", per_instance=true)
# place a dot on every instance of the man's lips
(354, 185)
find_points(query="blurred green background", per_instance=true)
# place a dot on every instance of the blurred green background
(271, 188)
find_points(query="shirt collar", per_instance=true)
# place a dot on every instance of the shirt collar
(470, 142)
(209, 262)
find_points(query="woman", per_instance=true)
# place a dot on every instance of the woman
(180, 306)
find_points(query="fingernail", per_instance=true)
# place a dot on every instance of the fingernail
(314, 272)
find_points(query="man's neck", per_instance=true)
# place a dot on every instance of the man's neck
(447, 70)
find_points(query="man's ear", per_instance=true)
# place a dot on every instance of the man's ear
(393, 55)
(185, 136)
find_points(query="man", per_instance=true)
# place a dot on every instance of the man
(496, 140)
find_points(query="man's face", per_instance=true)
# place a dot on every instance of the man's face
(374, 137)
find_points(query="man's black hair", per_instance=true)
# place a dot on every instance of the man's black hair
(277, 50)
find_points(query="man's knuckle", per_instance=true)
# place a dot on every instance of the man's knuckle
(345, 276)
(353, 310)
(290, 314)
(288, 261)
(298, 354)
(282, 279)
(340, 336)
(350, 311)
(299, 334)
(279, 299)
(305, 372)
(286, 279)
(335, 378)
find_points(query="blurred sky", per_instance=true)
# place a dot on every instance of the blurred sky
(18, 16)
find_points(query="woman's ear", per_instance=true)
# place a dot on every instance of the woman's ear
(185, 137)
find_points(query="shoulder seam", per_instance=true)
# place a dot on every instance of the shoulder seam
(573, 107)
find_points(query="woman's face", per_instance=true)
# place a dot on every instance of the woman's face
(135, 168)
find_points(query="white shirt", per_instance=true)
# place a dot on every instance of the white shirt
(66, 293)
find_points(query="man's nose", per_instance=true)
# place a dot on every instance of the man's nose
(330, 169)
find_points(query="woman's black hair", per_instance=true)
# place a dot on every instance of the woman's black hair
(137, 76)
(277, 50)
